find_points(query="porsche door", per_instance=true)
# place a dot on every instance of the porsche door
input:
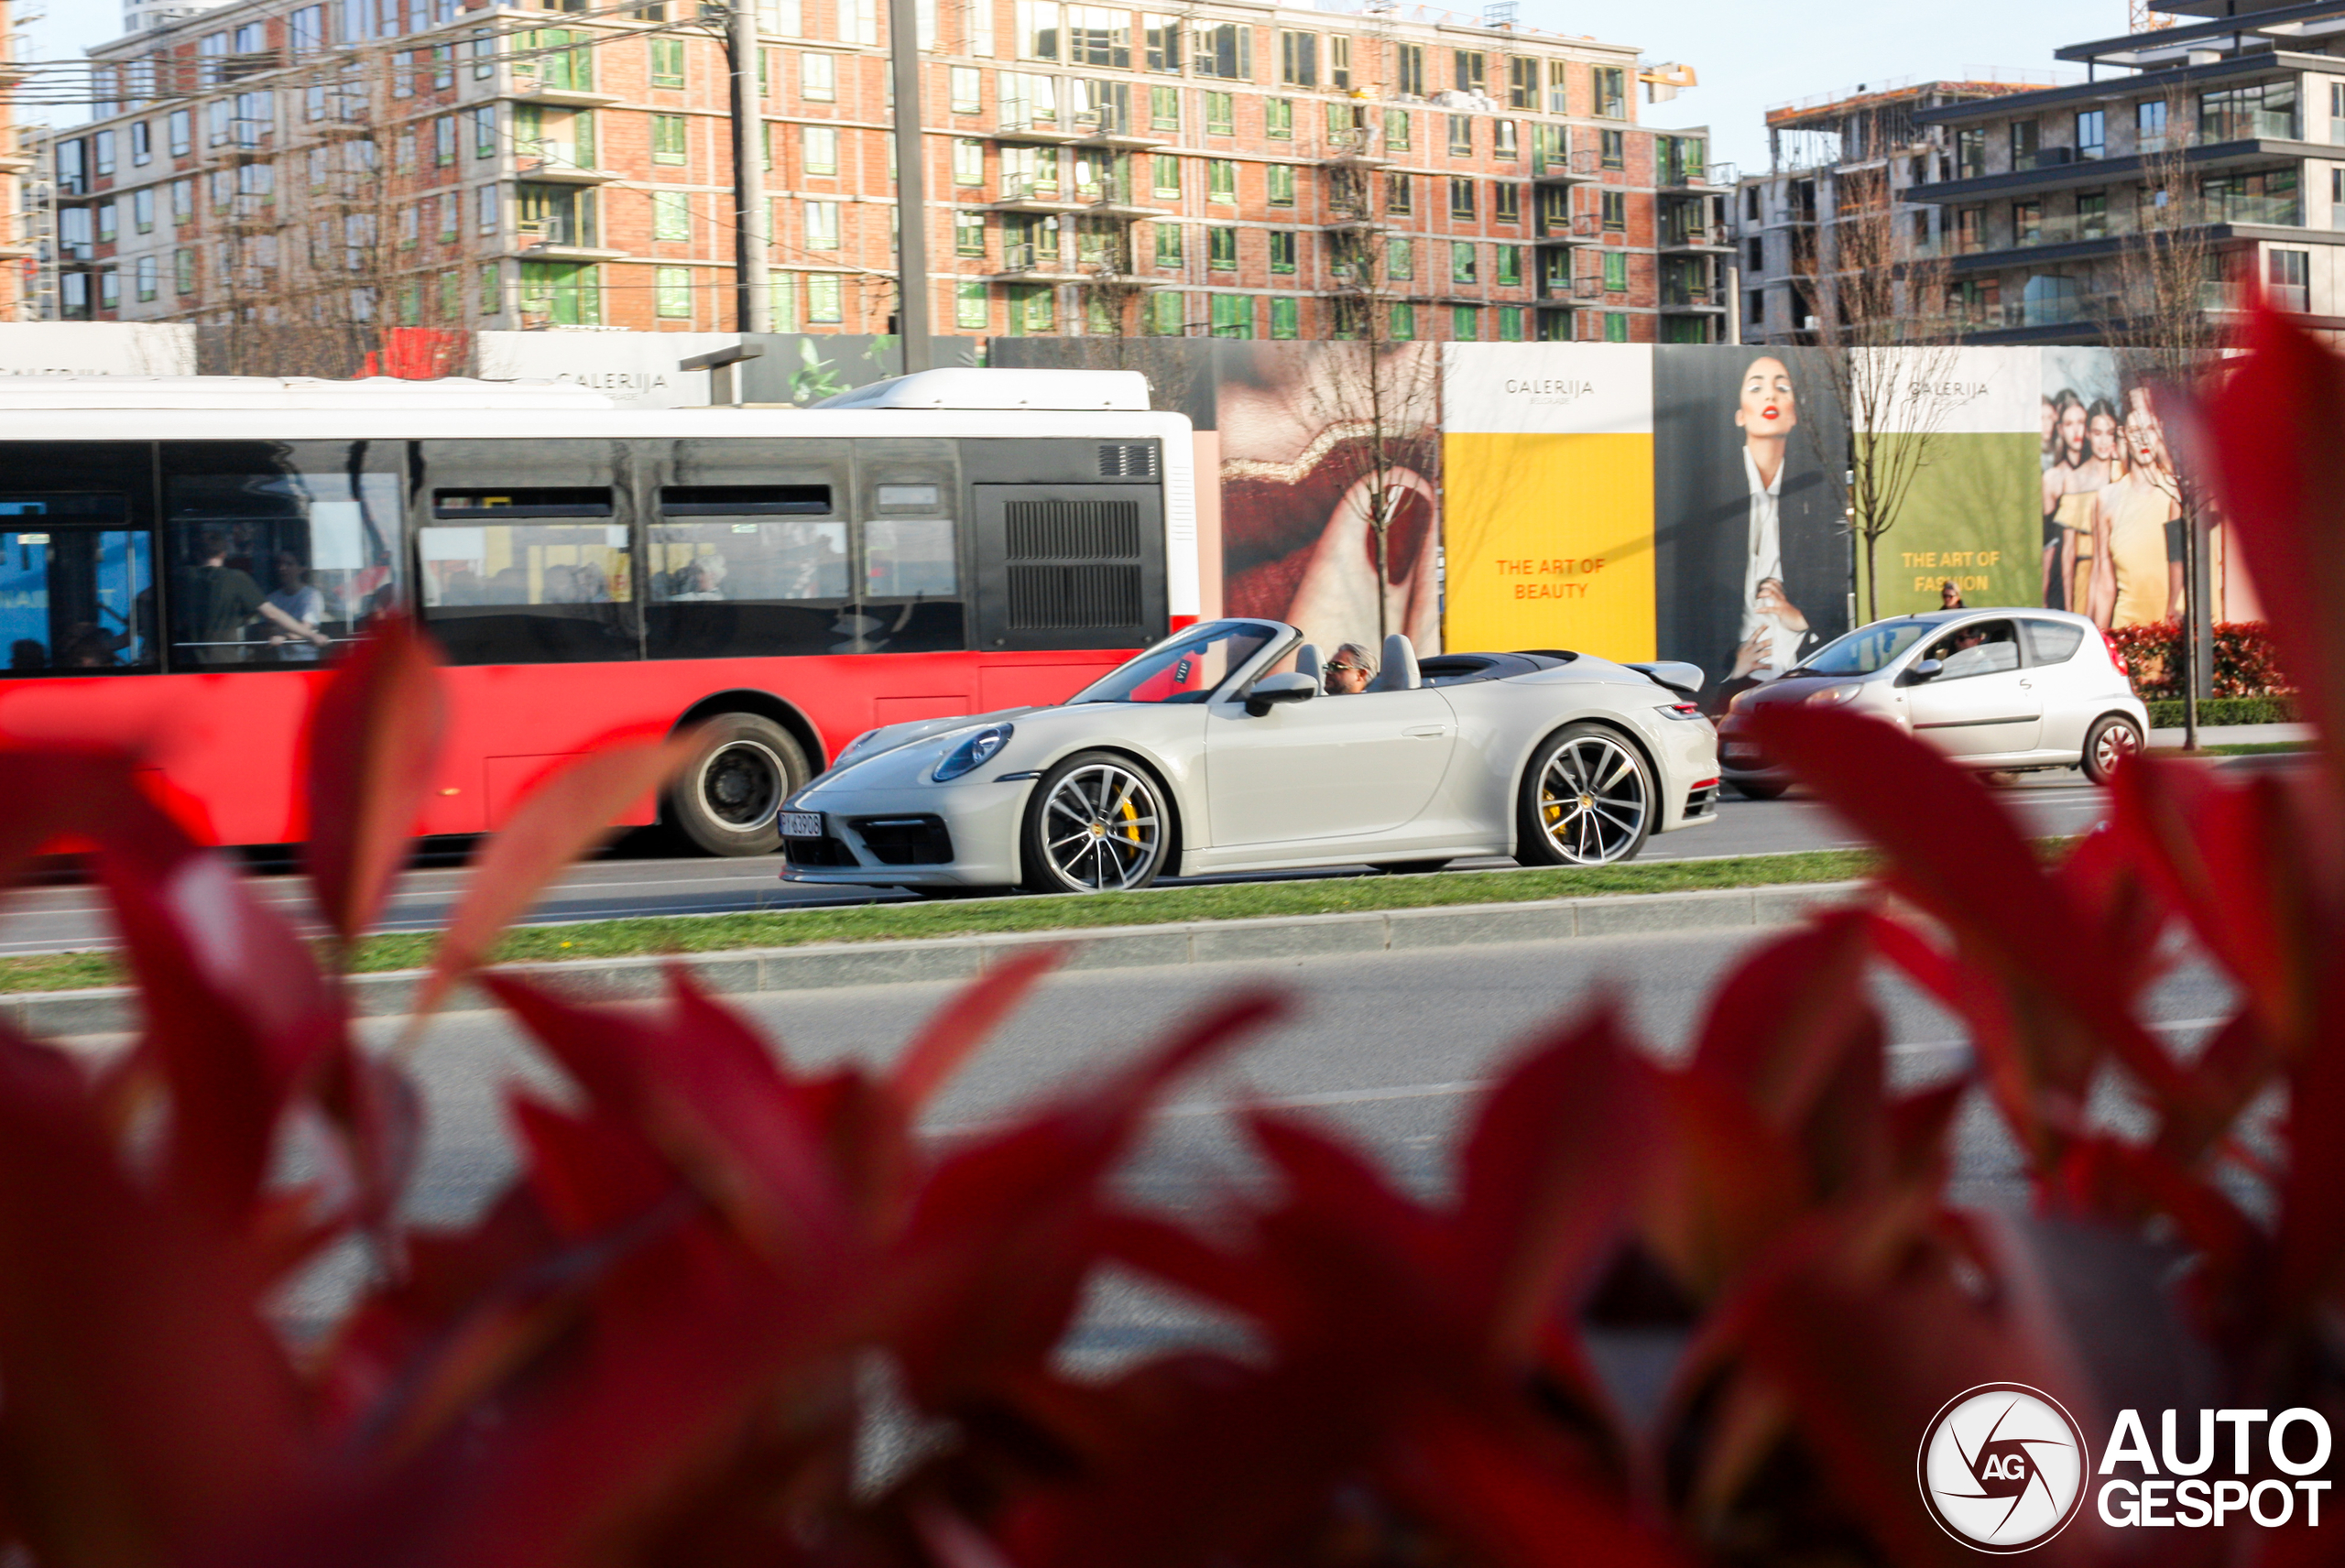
(1329, 768)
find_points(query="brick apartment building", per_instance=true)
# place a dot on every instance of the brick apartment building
(1221, 167)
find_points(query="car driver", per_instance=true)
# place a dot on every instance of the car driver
(1349, 671)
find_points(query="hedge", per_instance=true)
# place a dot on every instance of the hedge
(2165, 713)
(2246, 665)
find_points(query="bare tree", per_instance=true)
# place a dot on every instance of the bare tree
(1880, 293)
(2166, 320)
(1377, 396)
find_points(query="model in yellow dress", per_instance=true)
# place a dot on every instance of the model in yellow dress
(2136, 578)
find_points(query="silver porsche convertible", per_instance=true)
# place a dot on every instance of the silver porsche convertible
(1219, 750)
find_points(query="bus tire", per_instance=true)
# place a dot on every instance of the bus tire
(727, 799)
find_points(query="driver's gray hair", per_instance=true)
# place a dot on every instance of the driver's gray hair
(1357, 655)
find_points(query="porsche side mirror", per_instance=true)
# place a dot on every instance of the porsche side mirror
(1292, 687)
(1924, 669)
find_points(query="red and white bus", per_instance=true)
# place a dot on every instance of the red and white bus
(179, 558)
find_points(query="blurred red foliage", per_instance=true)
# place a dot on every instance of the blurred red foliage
(655, 1346)
(2246, 664)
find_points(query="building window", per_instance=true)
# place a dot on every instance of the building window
(2027, 222)
(484, 131)
(1232, 315)
(1461, 135)
(668, 138)
(1465, 323)
(1278, 118)
(1969, 230)
(1410, 60)
(1164, 175)
(2267, 196)
(1339, 69)
(1461, 199)
(1506, 203)
(1161, 36)
(1221, 247)
(1162, 314)
(672, 292)
(1283, 250)
(485, 208)
(1612, 83)
(1164, 108)
(182, 202)
(180, 133)
(1522, 83)
(818, 82)
(1473, 70)
(1298, 59)
(970, 307)
(142, 210)
(443, 141)
(1221, 179)
(1612, 148)
(825, 299)
(1167, 245)
(1396, 130)
(1615, 207)
(1615, 327)
(822, 226)
(1503, 143)
(1221, 114)
(1403, 320)
(1616, 272)
(2026, 137)
(1099, 36)
(2092, 133)
(1461, 261)
(1037, 22)
(672, 215)
(1278, 181)
(1399, 194)
(2337, 112)
(1971, 153)
(821, 150)
(1508, 270)
(1222, 48)
(968, 163)
(1510, 323)
(1400, 260)
(2092, 215)
(1286, 313)
(183, 271)
(968, 90)
(668, 66)
(107, 232)
(146, 274)
(968, 233)
(2289, 279)
(1034, 309)
(2149, 125)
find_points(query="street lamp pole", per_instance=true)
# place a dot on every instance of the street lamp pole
(752, 237)
(911, 188)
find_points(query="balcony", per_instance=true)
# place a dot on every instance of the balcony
(1115, 199)
(1026, 128)
(1689, 297)
(527, 87)
(1024, 262)
(1695, 236)
(553, 163)
(1354, 149)
(1582, 228)
(1566, 168)
(1023, 193)
(1115, 131)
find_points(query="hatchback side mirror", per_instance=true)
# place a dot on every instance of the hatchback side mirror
(1924, 669)
(1292, 687)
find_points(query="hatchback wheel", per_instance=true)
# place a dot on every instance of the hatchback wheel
(2110, 742)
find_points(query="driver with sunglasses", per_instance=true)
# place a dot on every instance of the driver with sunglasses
(1349, 671)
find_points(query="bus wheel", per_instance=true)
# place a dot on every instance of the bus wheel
(726, 800)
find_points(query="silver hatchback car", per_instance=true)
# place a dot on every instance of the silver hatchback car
(2001, 690)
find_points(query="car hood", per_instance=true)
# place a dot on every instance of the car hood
(1790, 688)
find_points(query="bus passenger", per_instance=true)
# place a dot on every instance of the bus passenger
(702, 578)
(216, 601)
(299, 600)
(27, 653)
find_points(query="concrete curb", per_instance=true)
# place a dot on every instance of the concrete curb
(113, 1009)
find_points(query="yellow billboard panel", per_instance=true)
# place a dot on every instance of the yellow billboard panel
(1548, 542)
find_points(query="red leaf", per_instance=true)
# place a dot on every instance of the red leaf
(373, 742)
(551, 827)
(963, 1023)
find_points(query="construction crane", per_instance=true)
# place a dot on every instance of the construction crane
(2140, 18)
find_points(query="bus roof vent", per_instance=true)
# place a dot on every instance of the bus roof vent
(1125, 390)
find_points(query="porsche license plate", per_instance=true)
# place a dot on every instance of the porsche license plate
(801, 824)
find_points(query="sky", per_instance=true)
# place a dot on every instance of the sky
(1749, 57)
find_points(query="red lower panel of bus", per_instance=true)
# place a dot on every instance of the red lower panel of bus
(222, 751)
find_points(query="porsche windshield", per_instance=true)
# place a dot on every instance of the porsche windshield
(1864, 651)
(1187, 668)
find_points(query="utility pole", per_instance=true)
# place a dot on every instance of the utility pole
(752, 237)
(911, 188)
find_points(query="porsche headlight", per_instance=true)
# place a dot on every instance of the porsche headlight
(1833, 696)
(973, 750)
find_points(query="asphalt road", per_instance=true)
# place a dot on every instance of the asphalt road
(1390, 1049)
(640, 875)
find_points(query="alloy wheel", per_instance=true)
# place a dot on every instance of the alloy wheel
(2115, 743)
(1593, 800)
(1101, 828)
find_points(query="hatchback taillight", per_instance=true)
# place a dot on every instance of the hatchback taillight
(2116, 654)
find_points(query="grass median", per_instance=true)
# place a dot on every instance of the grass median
(656, 934)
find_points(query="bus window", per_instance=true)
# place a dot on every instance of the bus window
(910, 581)
(540, 591)
(77, 584)
(279, 550)
(742, 586)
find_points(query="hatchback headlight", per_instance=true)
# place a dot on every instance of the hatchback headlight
(976, 749)
(1833, 696)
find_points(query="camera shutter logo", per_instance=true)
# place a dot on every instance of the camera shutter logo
(2003, 1467)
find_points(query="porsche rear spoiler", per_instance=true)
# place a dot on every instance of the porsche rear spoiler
(1685, 679)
